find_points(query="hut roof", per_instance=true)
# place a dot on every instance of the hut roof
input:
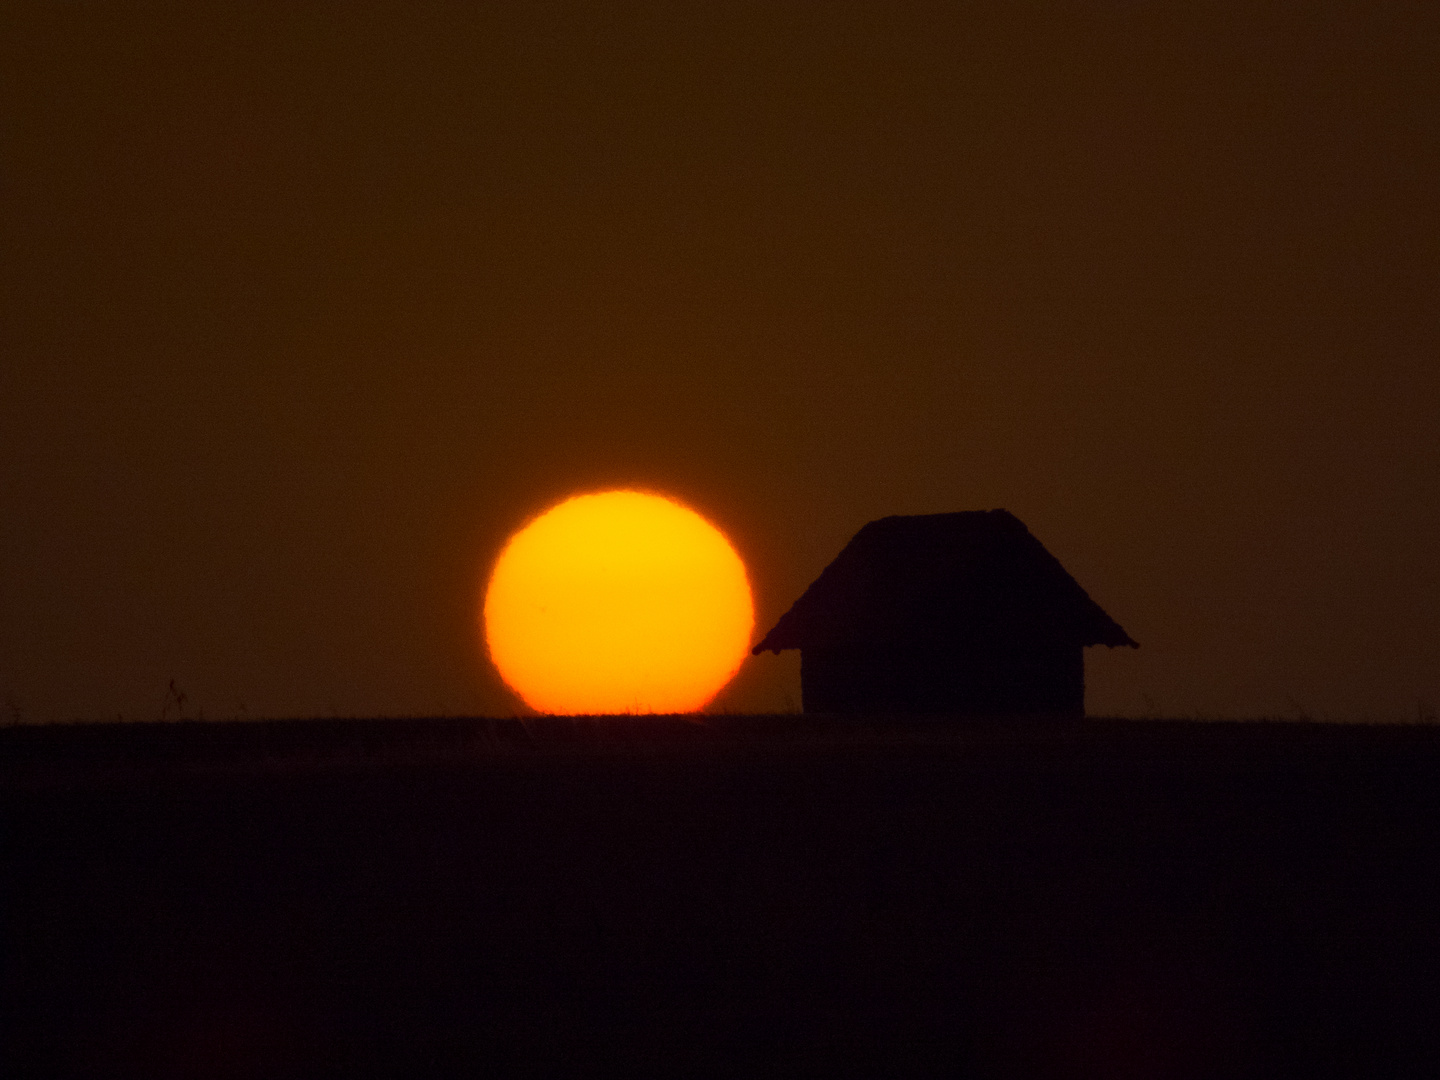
(977, 575)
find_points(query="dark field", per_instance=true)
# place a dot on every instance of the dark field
(784, 894)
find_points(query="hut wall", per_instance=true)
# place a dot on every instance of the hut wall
(959, 678)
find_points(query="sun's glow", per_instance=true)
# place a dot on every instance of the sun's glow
(618, 602)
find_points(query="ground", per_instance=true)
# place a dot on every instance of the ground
(671, 897)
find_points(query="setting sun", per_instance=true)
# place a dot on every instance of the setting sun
(618, 602)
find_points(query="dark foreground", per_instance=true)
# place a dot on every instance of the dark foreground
(356, 899)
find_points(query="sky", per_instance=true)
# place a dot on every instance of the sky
(307, 306)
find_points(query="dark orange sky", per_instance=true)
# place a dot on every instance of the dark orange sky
(306, 305)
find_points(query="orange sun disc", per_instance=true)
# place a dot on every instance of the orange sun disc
(618, 602)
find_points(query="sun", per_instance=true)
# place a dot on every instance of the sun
(618, 602)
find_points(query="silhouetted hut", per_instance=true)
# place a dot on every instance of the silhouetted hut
(944, 613)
